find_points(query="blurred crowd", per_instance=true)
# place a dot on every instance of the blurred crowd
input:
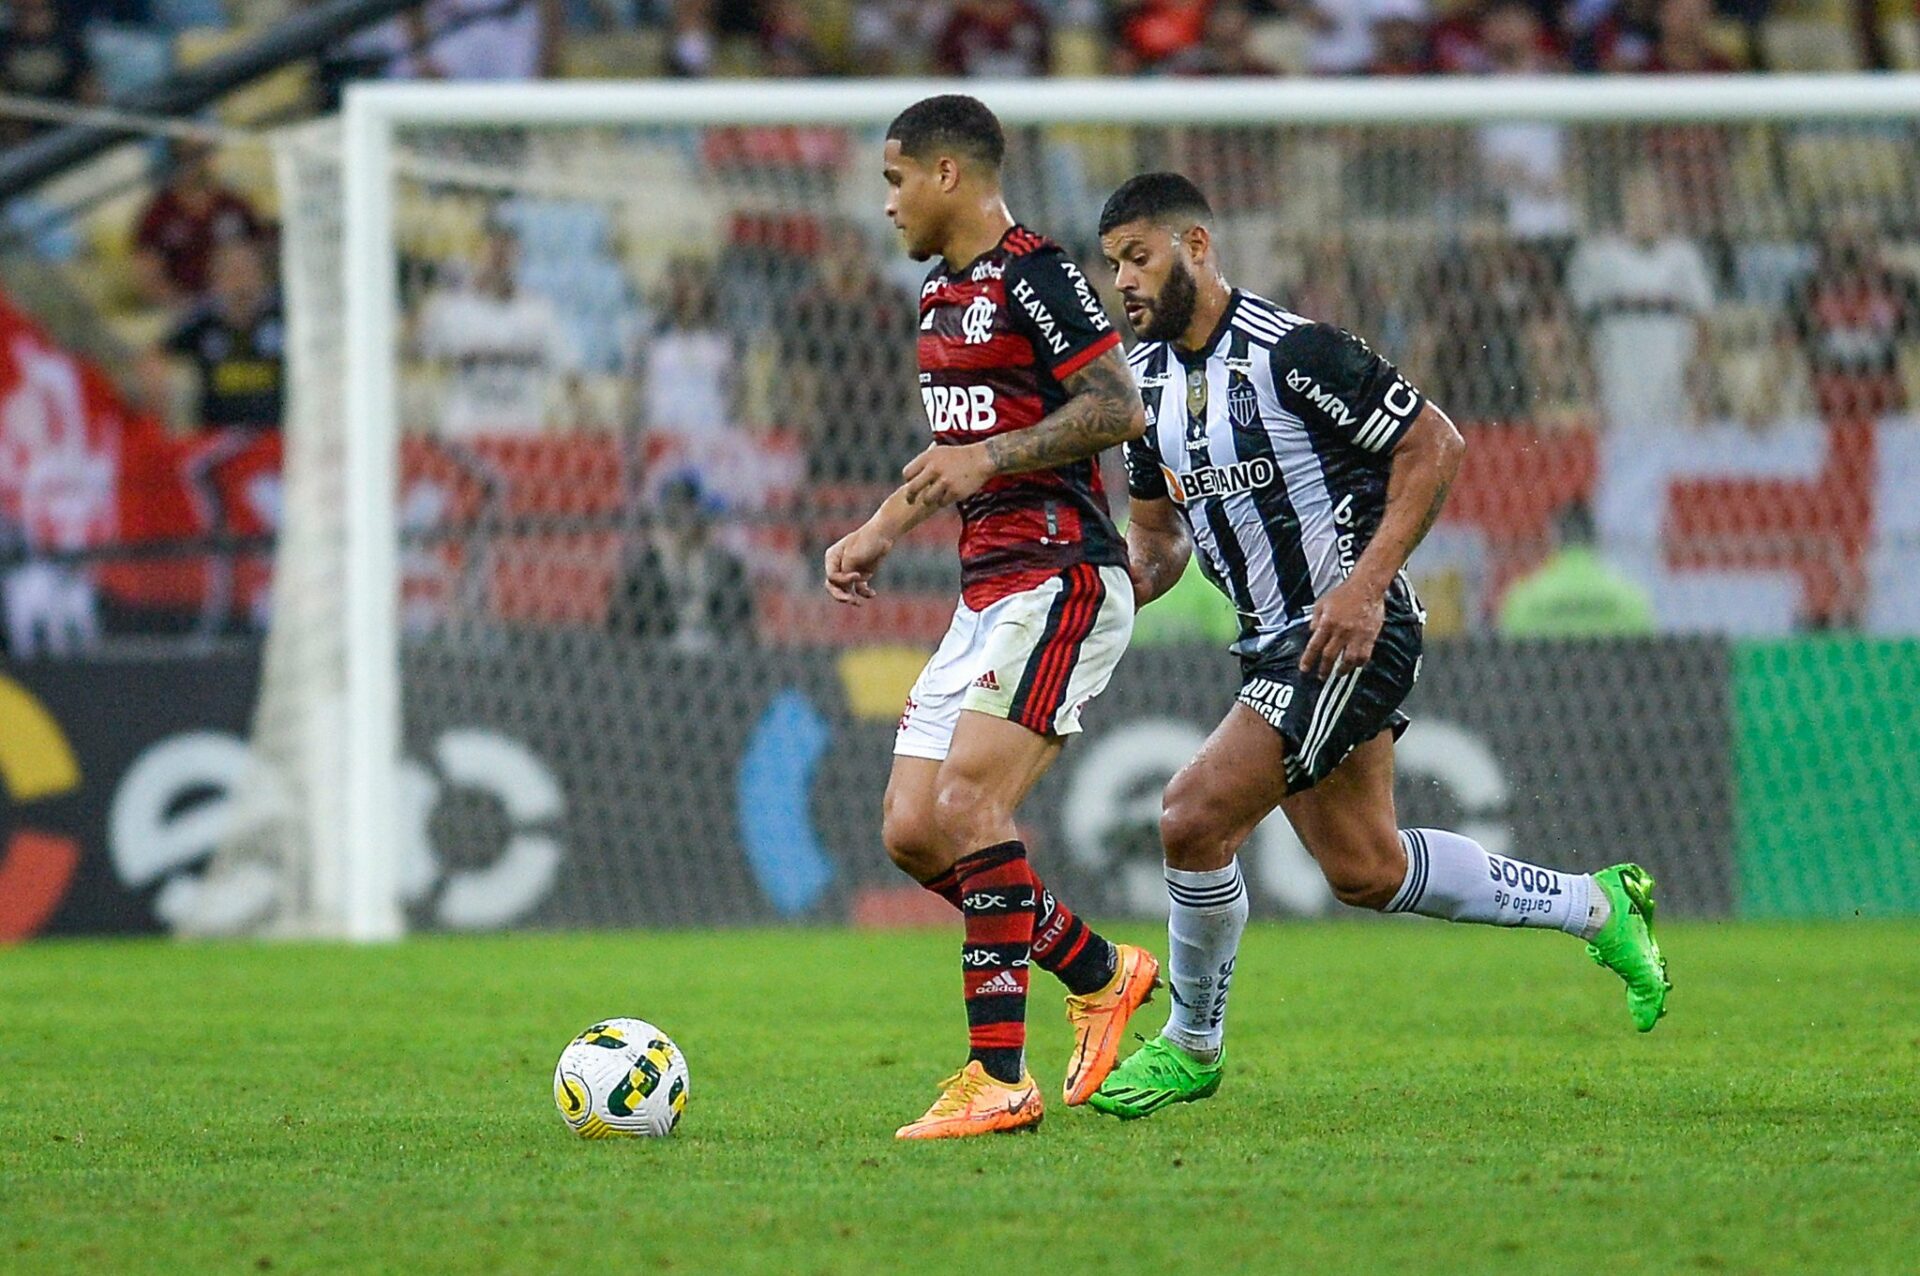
(1024, 38)
(82, 50)
(742, 337)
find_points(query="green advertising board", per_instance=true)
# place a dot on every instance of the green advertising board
(1827, 773)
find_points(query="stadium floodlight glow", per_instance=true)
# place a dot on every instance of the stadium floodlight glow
(352, 831)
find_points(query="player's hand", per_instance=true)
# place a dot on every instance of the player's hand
(1343, 629)
(941, 475)
(851, 562)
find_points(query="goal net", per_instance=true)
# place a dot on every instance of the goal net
(585, 377)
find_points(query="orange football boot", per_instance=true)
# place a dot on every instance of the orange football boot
(1099, 1019)
(971, 1102)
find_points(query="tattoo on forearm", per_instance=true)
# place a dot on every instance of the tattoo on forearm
(1101, 412)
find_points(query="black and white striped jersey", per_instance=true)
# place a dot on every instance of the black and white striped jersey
(1274, 441)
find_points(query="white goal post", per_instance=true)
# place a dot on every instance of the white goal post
(358, 852)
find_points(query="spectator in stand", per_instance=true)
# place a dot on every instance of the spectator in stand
(1401, 43)
(687, 382)
(42, 55)
(893, 37)
(789, 48)
(1225, 46)
(1325, 286)
(1346, 33)
(1684, 46)
(1514, 41)
(1473, 333)
(182, 226)
(851, 368)
(692, 40)
(1851, 316)
(483, 39)
(1491, 37)
(1576, 593)
(1643, 296)
(995, 39)
(680, 587)
(1524, 161)
(1148, 34)
(504, 348)
(1612, 35)
(1694, 160)
(235, 341)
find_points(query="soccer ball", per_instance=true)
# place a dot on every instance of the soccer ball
(621, 1079)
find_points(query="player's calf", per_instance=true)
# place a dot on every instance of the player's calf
(1207, 910)
(1451, 876)
(1368, 880)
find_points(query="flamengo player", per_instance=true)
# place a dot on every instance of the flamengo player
(1304, 470)
(1024, 384)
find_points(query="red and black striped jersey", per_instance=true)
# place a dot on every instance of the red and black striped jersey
(997, 336)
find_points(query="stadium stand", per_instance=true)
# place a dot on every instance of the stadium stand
(1498, 278)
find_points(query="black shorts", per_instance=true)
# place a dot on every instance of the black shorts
(1322, 722)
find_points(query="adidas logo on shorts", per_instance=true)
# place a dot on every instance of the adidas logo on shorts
(987, 682)
(1002, 982)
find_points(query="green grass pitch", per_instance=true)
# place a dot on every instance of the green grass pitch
(1401, 1097)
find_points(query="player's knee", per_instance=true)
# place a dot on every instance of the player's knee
(1191, 833)
(1361, 876)
(912, 840)
(968, 815)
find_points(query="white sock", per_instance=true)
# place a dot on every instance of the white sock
(1456, 878)
(1208, 914)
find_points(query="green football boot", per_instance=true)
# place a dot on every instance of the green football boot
(1155, 1076)
(1625, 945)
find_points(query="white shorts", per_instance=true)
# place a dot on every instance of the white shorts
(1034, 658)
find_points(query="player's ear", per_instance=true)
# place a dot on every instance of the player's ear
(946, 172)
(1198, 241)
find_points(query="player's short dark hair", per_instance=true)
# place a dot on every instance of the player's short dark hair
(950, 122)
(1160, 197)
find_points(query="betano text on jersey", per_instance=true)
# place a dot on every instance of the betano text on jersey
(1274, 440)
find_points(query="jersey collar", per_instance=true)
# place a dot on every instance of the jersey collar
(954, 271)
(1193, 357)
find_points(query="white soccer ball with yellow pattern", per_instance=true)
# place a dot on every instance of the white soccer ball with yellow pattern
(621, 1079)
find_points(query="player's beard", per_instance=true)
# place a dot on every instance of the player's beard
(1169, 313)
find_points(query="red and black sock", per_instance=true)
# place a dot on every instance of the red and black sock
(946, 885)
(1073, 951)
(997, 897)
(1063, 945)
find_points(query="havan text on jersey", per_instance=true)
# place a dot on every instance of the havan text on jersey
(999, 337)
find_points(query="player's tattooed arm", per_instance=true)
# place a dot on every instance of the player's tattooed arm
(1347, 620)
(1157, 548)
(1103, 408)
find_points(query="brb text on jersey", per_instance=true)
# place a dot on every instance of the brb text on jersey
(998, 337)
